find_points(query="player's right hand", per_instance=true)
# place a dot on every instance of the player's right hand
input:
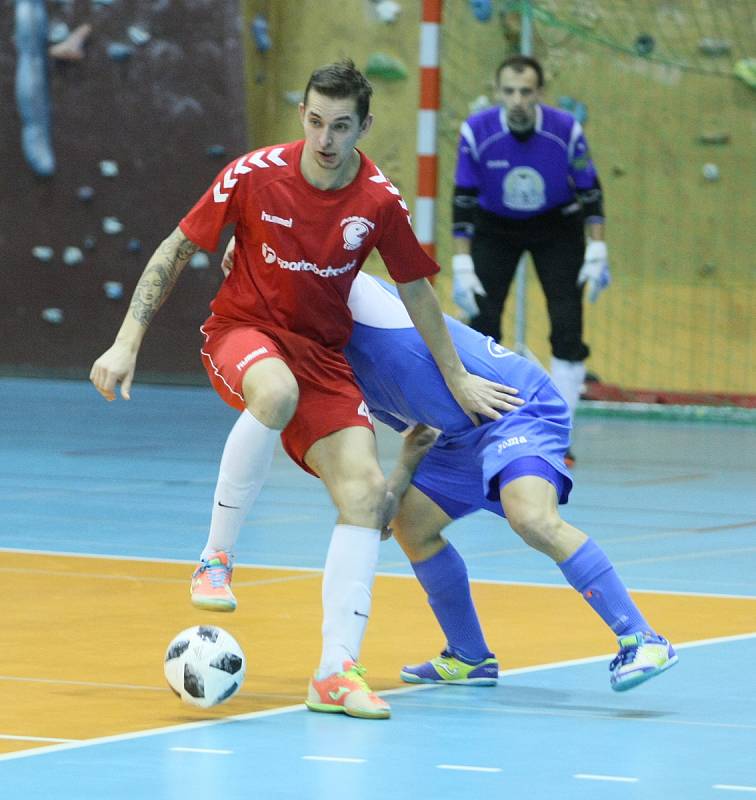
(466, 284)
(115, 365)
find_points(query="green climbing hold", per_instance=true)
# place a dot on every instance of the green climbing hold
(381, 65)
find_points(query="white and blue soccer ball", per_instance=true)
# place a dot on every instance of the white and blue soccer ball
(204, 665)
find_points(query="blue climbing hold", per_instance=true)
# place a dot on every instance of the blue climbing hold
(259, 30)
(481, 9)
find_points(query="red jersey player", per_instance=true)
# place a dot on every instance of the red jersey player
(306, 215)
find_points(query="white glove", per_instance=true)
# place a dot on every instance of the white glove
(466, 284)
(595, 269)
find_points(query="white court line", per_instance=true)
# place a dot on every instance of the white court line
(75, 745)
(337, 759)
(464, 768)
(10, 738)
(732, 788)
(585, 776)
(283, 567)
(201, 750)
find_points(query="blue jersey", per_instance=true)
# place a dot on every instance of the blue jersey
(397, 374)
(522, 178)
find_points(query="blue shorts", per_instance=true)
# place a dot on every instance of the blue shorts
(463, 473)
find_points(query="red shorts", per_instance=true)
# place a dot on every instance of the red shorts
(329, 399)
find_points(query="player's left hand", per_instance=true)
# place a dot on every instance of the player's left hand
(477, 395)
(595, 269)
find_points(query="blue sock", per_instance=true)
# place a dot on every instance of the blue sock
(444, 578)
(590, 572)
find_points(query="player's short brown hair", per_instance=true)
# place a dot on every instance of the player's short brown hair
(520, 64)
(340, 80)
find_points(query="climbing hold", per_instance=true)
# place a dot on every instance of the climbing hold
(294, 97)
(388, 11)
(481, 9)
(53, 315)
(113, 290)
(72, 256)
(745, 69)
(199, 261)
(480, 103)
(215, 151)
(259, 30)
(71, 47)
(710, 172)
(644, 44)
(58, 32)
(118, 51)
(134, 246)
(714, 137)
(85, 194)
(90, 242)
(112, 225)
(381, 65)
(714, 47)
(43, 253)
(109, 168)
(138, 36)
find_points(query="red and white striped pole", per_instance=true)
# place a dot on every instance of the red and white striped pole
(427, 121)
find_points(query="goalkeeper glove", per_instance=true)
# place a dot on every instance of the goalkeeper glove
(466, 284)
(595, 269)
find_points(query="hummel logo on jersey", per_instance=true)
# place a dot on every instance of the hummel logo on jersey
(268, 253)
(355, 231)
(260, 158)
(513, 440)
(287, 223)
(243, 363)
(339, 693)
(363, 411)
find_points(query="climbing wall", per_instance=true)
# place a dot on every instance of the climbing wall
(142, 118)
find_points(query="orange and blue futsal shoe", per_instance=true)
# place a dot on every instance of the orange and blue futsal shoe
(347, 692)
(211, 584)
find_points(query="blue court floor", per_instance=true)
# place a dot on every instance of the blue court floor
(672, 503)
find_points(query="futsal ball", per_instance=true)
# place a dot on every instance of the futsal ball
(204, 665)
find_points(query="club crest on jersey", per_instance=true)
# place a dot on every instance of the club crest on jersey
(355, 230)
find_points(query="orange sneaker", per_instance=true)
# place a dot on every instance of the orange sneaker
(347, 692)
(211, 584)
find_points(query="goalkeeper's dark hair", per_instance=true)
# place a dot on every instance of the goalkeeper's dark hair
(341, 80)
(519, 64)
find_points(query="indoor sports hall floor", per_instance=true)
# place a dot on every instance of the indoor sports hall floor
(105, 509)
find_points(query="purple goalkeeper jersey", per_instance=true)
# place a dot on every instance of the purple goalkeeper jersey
(519, 178)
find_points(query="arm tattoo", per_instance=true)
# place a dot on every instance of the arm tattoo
(160, 276)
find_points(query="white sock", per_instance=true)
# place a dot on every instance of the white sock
(347, 594)
(569, 377)
(244, 468)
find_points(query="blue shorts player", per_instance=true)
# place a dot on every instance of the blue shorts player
(513, 466)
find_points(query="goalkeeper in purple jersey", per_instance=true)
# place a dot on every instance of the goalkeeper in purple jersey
(513, 466)
(525, 181)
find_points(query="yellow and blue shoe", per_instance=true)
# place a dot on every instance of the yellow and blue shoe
(211, 584)
(450, 669)
(642, 656)
(347, 692)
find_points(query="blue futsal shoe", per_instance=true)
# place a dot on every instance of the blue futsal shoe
(642, 656)
(448, 668)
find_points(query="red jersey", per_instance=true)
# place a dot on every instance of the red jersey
(298, 248)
